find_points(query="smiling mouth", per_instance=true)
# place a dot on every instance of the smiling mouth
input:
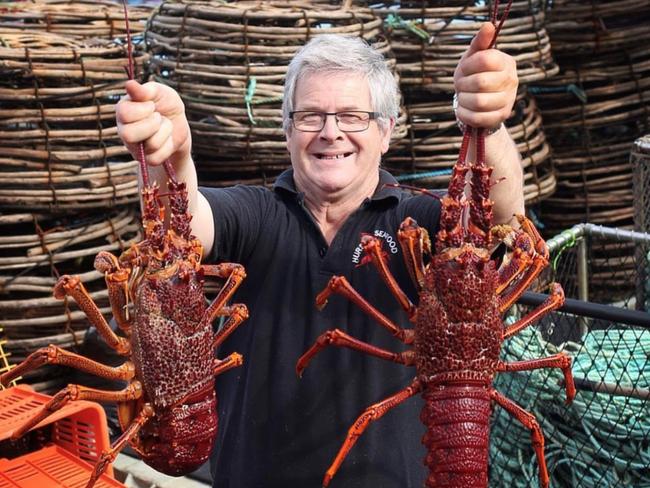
(332, 156)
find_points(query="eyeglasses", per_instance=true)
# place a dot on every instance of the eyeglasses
(348, 121)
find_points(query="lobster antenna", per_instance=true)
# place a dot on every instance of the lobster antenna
(495, 13)
(480, 135)
(413, 188)
(144, 171)
(169, 169)
(482, 217)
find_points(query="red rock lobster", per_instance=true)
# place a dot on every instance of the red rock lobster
(458, 327)
(168, 408)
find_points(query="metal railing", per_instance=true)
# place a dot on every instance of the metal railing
(581, 239)
(602, 438)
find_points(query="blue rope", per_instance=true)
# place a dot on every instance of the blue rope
(429, 174)
(250, 92)
(601, 439)
(647, 282)
(572, 88)
(394, 21)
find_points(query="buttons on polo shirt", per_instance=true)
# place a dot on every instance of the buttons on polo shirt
(322, 251)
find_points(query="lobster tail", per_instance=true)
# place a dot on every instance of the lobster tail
(457, 438)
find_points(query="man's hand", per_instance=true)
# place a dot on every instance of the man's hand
(486, 82)
(154, 114)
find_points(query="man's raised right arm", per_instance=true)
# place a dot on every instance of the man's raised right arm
(154, 114)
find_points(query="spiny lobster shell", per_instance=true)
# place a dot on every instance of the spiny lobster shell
(458, 336)
(167, 409)
(173, 356)
(458, 327)
(172, 350)
(179, 439)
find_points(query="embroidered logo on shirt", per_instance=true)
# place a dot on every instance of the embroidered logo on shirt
(382, 234)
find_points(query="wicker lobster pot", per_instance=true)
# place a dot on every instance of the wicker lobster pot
(68, 187)
(429, 38)
(100, 19)
(587, 27)
(58, 138)
(595, 109)
(37, 249)
(228, 62)
(593, 112)
(428, 153)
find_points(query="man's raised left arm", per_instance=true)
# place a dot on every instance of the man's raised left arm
(486, 83)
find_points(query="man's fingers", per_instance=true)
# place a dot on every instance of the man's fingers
(487, 120)
(160, 138)
(487, 82)
(141, 93)
(141, 130)
(162, 154)
(128, 111)
(482, 39)
(482, 102)
(482, 61)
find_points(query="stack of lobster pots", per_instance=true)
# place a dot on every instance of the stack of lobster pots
(68, 187)
(593, 111)
(228, 62)
(428, 39)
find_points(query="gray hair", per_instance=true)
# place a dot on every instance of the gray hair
(331, 53)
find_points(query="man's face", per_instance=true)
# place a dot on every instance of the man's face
(333, 161)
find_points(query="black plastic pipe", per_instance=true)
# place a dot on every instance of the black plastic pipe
(592, 310)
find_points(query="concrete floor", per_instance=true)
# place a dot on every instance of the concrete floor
(133, 473)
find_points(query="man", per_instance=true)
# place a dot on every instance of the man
(340, 104)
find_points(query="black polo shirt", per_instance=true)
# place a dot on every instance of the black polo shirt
(276, 430)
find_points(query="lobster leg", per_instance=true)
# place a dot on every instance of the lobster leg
(372, 247)
(236, 313)
(340, 285)
(223, 365)
(72, 285)
(415, 244)
(55, 355)
(530, 257)
(371, 414)
(107, 457)
(559, 360)
(235, 274)
(530, 422)
(339, 338)
(510, 296)
(117, 279)
(554, 301)
(77, 392)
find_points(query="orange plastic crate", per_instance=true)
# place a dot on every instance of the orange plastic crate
(51, 467)
(79, 427)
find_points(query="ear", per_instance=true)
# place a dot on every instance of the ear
(288, 133)
(385, 135)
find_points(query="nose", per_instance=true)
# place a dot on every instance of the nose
(331, 131)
